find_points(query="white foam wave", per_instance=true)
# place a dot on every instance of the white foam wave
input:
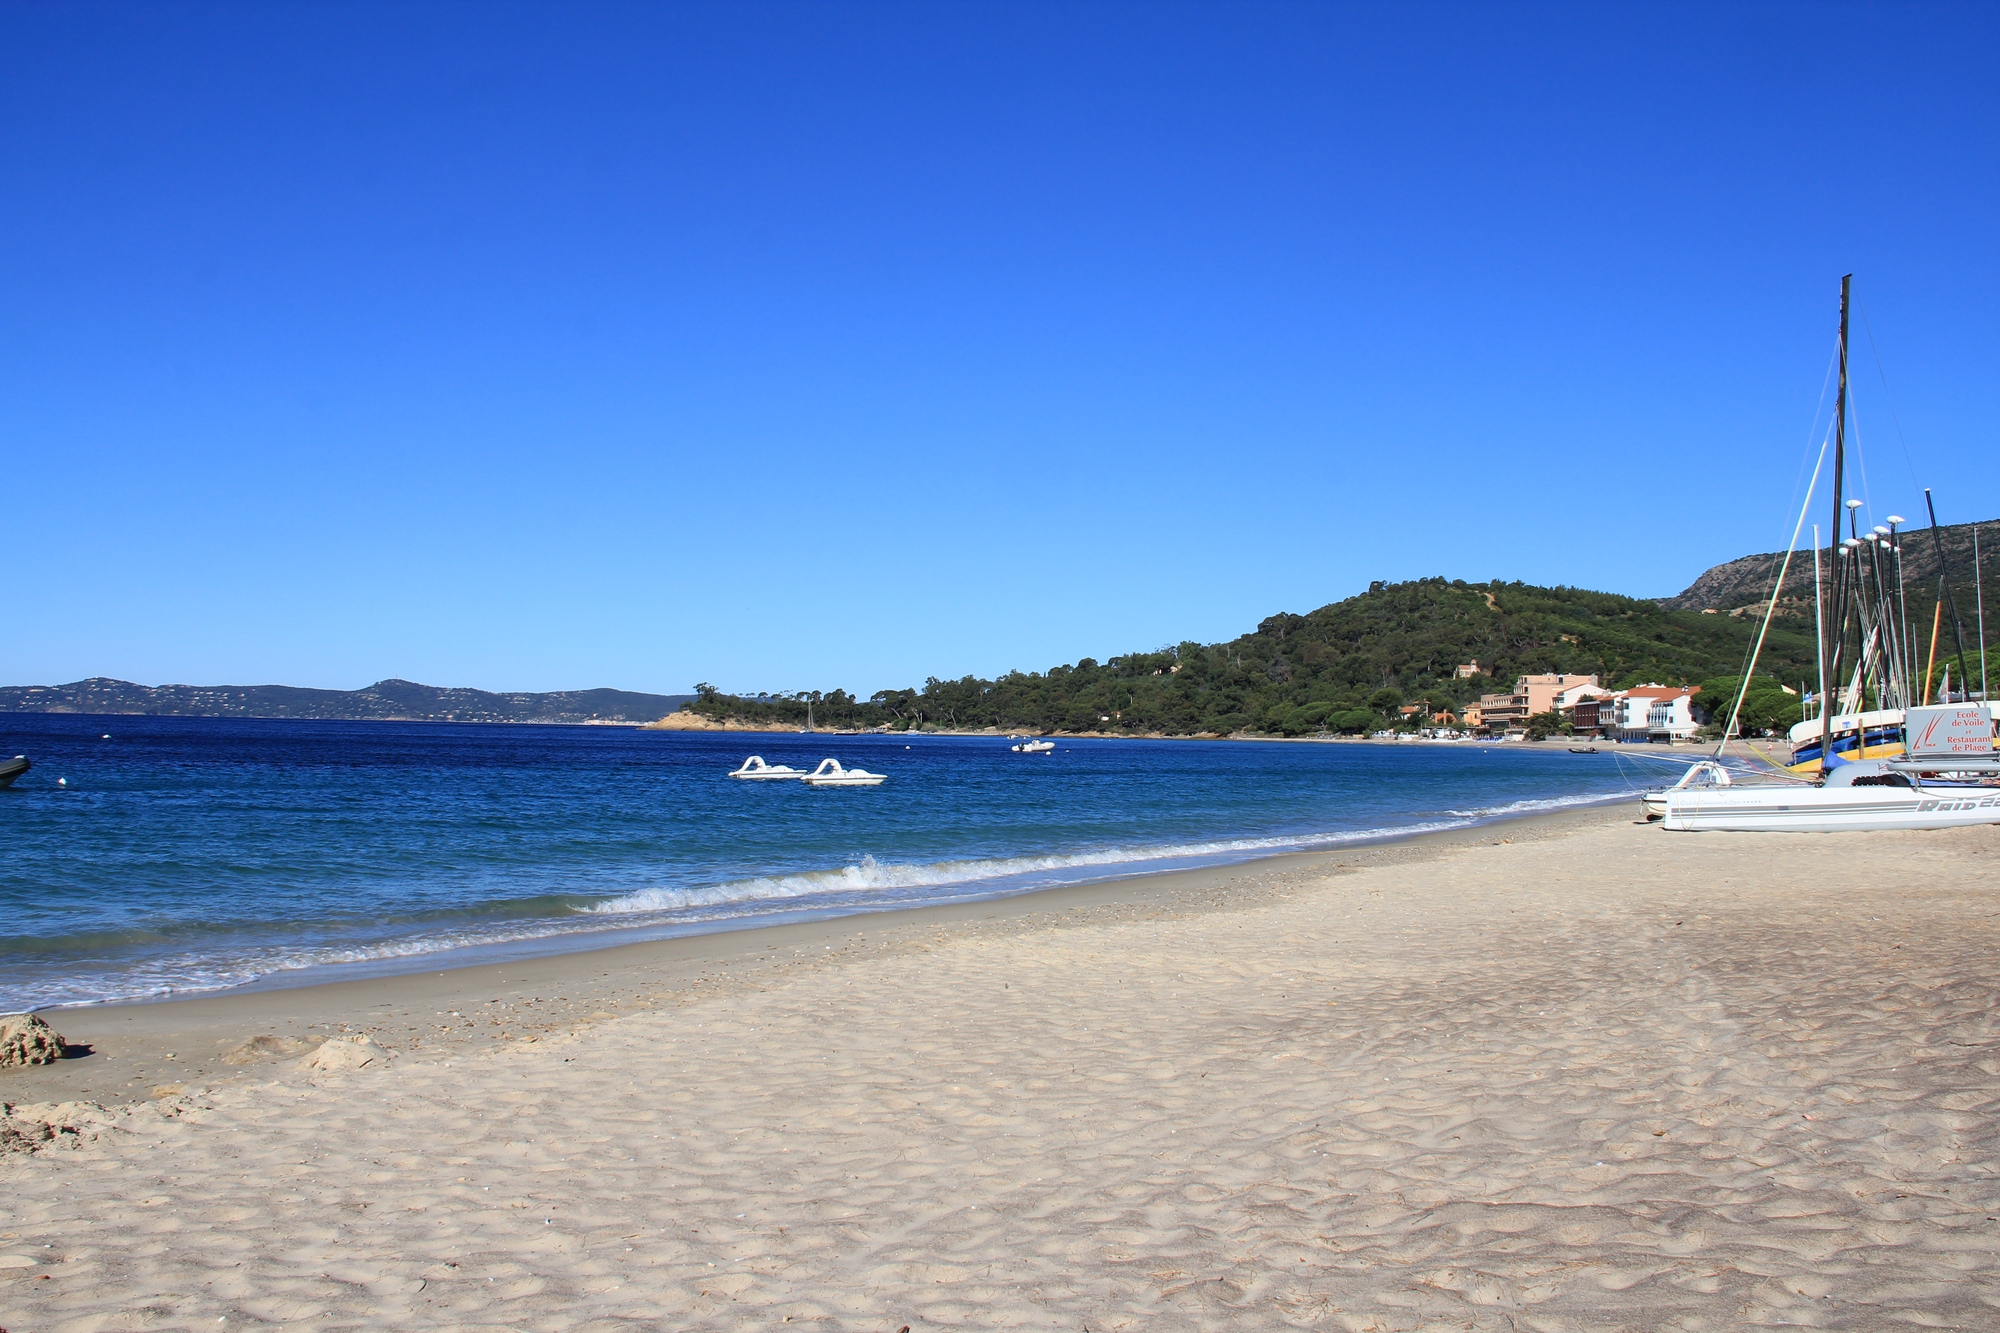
(869, 875)
(1545, 803)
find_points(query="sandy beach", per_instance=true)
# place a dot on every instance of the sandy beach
(1566, 1073)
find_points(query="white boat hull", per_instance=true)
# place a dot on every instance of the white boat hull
(754, 769)
(831, 774)
(1828, 809)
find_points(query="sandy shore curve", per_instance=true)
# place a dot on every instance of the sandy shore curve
(1572, 1073)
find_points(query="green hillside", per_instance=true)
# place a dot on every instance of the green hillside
(1346, 666)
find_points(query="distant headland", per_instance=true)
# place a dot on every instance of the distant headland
(384, 701)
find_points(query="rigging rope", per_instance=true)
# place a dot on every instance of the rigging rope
(1771, 610)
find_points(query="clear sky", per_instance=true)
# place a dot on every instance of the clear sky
(814, 345)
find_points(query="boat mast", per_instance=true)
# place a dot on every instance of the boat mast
(1903, 613)
(1819, 633)
(1950, 603)
(1885, 616)
(1833, 555)
(1979, 594)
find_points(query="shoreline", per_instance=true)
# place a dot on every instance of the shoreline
(1568, 1072)
(553, 933)
(176, 1041)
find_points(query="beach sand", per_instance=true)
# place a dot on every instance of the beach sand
(1573, 1073)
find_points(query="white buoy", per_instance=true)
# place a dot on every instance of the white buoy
(62, 782)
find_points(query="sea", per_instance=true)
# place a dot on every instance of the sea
(155, 857)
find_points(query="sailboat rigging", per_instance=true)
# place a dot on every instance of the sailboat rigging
(1867, 767)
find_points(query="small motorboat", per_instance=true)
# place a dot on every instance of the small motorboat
(1033, 747)
(756, 770)
(831, 774)
(13, 768)
(1583, 749)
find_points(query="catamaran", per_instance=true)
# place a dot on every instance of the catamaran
(1949, 777)
(1904, 764)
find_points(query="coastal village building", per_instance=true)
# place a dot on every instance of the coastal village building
(1545, 692)
(1532, 695)
(1584, 718)
(1467, 670)
(1500, 712)
(1582, 705)
(1650, 713)
(1672, 719)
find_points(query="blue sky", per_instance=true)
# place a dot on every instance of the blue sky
(816, 345)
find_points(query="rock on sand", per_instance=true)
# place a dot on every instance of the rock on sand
(27, 1039)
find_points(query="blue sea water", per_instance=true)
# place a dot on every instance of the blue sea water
(181, 855)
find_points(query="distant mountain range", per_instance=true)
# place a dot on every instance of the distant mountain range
(385, 701)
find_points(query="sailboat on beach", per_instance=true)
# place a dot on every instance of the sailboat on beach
(1870, 614)
(1877, 767)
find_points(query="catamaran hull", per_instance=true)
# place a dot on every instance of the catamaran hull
(1828, 810)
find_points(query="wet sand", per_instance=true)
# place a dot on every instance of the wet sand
(1572, 1073)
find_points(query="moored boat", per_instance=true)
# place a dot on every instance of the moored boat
(754, 769)
(1857, 797)
(13, 768)
(831, 774)
(1906, 763)
(1875, 734)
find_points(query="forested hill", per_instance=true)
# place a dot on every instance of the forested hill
(1346, 666)
(385, 700)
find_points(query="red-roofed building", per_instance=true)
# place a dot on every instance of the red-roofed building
(1660, 713)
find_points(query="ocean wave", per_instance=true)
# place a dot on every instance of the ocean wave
(864, 885)
(869, 875)
(1542, 805)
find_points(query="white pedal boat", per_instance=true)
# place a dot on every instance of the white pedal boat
(831, 774)
(754, 769)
